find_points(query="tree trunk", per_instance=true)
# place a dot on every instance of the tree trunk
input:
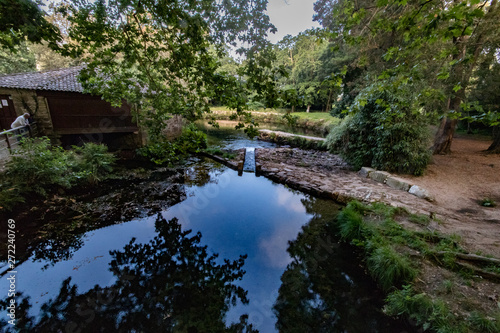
(444, 136)
(328, 107)
(495, 146)
(308, 108)
(293, 108)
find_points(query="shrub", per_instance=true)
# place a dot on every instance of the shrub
(37, 166)
(383, 132)
(164, 152)
(9, 197)
(192, 140)
(93, 161)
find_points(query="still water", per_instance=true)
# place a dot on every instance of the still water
(317, 285)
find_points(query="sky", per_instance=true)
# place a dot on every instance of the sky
(290, 17)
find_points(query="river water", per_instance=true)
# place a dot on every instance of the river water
(317, 286)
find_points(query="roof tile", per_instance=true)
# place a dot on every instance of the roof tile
(65, 79)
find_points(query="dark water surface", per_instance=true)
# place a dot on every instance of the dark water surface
(319, 284)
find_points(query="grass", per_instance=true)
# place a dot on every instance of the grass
(390, 268)
(487, 202)
(315, 116)
(319, 122)
(387, 247)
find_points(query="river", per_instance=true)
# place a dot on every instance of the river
(317, 285)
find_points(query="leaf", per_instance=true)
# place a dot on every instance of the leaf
(456, 87)
(443, 75)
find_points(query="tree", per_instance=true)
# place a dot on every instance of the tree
(164, 55)
(23, 19)
(16, 60)
(47, 57)
(302, 57)
(421, 41)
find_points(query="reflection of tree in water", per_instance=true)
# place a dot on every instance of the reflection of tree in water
(171, 284)
(323, 289)
(201, 174)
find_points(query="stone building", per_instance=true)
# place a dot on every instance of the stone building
(63, 112)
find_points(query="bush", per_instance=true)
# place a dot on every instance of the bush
(351, 224)
(93, 162)
(164, 152)
(383, 132)
(37, 166)
(9, 197)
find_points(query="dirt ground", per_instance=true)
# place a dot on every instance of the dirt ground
(459, 182)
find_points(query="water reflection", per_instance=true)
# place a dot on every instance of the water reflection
(323, 290)
(170, 281)
(229, 138)
(170, 284)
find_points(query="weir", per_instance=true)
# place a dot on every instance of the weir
(249, 165)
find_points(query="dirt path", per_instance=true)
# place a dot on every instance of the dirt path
(459, 182)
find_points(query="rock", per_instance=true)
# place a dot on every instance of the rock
(365, 171)
(379, 176)
(397, 183)
(421, 193)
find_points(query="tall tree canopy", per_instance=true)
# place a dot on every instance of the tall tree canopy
(23, 19)
(435, 46)
(164, 55)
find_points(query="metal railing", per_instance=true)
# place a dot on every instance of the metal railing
(11, 139)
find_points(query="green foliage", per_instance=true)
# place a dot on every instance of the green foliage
(390, 268)
(352, 226)
(487, 202)
(431, 315)
(18, 60)
(482, 324)
(93, 161)
(452, 49)
(37, 167)
(23, 19)
(9, 197)
(164, 152)
(147, 61)
(385, 133)
(192, 140)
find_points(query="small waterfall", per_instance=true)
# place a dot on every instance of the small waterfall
(249, 165)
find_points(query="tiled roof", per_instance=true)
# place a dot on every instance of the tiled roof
(56, 80)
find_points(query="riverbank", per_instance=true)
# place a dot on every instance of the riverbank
(327, 175)
(456, 279)
(318, 123)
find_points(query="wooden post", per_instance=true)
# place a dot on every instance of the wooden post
(8, 142)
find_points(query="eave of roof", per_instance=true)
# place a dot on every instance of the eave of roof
(65, 79)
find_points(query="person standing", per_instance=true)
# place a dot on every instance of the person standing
(21, 121)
